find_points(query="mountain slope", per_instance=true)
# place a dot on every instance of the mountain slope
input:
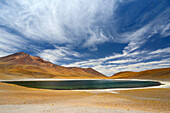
(163, 73)
(22, 65)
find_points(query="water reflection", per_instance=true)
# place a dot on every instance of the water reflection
(85, 84)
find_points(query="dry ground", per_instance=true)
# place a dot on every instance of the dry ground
(13, 97)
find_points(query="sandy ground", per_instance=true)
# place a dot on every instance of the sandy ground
(60, 109)
(18, 99)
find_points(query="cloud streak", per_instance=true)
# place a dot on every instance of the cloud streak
(61, 30)
(59, 54)
(134, 61)
(58, 21)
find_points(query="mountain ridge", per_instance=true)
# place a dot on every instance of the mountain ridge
(161, 73)
(22, 64)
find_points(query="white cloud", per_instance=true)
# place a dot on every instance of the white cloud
(166, 30)
(161, 51)
(133, 61)
(123, 61)
(69, 22)
(58, 21)
(112, 69)
(59, 54)
(73, 23)
(10, 43)
(94, 39)
(2, 53)
(137, 38)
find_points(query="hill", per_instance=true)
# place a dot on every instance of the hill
(22, 65)
(158, 74)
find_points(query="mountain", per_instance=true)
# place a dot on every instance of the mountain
(22, 65)
(158, 74)
(25, 59)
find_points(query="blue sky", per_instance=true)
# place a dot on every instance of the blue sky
(108, 35)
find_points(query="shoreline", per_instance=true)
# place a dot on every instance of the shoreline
(164, 84)
(58, 79)
(116, 90)
(19, 99)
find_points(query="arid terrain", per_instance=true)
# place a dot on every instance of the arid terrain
(154, 74)
(19, 99)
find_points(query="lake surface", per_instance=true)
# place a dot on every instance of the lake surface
(85, 84)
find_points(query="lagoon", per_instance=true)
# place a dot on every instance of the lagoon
(85, 84)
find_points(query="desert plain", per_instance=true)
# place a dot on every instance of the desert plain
(19, 99)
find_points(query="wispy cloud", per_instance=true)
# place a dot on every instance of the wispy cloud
(122, 61)
(58, 21)
(72, 25)
(161, 51)
(10, 43)
(138, 37)
(59, 54)
(134, 61)
(74, 22)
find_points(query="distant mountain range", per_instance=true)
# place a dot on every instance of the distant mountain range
(22, 65)
(158, 74)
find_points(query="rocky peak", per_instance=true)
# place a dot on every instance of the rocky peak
(26, 59)
(20, 53)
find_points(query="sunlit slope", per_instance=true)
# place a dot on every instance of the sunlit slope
(163, 73)
(21, 65)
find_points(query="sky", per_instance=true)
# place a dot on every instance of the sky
(109, 36)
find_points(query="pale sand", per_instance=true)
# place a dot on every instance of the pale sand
(18, 99)
(60, 109)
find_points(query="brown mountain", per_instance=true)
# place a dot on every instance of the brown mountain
(158, 74)
(22, 65)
